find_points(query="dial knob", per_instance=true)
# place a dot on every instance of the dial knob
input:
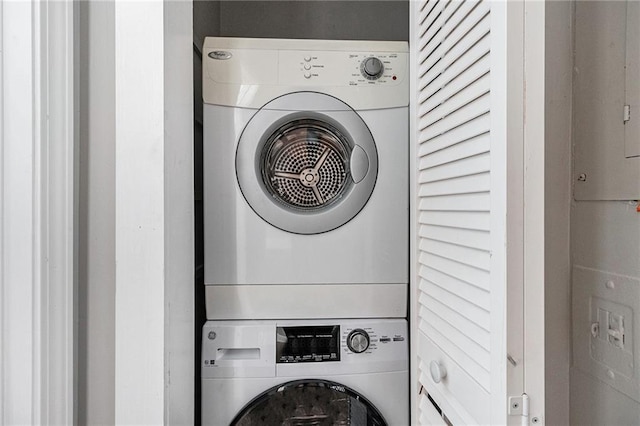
(358, 341)
(372, 68)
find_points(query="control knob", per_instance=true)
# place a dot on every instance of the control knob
(372, 68)
(358, 341)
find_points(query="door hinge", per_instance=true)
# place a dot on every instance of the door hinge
(519, 406)
(626, 113)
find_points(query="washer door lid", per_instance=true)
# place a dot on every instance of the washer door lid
(306, 171)
(310, 402)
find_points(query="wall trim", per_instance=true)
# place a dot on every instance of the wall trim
(37, 213)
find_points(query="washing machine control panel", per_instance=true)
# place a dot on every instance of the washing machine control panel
(296, 348)
(315, 343)
(370, 339)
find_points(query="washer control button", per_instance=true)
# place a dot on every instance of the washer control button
(307, 58)
(307, 75)
(358, 341)
(307, 66)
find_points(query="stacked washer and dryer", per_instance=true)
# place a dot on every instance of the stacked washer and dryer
(306, 232)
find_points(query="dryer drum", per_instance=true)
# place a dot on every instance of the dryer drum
(309, 402)
(305, 164)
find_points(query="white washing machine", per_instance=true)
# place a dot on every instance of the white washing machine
(334, 372)
(305, 178)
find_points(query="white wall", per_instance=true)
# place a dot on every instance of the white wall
(558, 85)
(605, 235)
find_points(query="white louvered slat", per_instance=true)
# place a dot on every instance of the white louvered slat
(463, 237)
(477, 202)
(434, 10)
(458, 100)
(466, 327)
(471, 302)
(441, 26)
(450, 88)
(453, 71)
(462, 220)
(470, 28)
(467, 148)
(477, 258)
(429, 128)
(466, 166)
(425, 10)
(460, 74)
(459, 185)
(473, 127)
(433, 66)
(428, 45)
(428, 413)
(462, 272)
(431, 16)
(424, 379)
(463, 79)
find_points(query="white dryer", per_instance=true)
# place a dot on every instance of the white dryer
(334, 372)
(305, 178)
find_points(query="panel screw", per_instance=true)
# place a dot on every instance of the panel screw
(212, 335)
(535, 420)
(515, 405)
(582, 177)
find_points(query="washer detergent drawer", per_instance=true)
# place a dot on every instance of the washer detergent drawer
(238, 351)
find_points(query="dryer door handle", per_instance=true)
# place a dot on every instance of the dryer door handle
(359, 164)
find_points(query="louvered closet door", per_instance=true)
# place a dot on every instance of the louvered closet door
(459, 281)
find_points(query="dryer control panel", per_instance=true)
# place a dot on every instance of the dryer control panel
(251, 72)
(330, 68)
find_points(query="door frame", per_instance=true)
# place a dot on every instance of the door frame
(39, 175)
(37, 210)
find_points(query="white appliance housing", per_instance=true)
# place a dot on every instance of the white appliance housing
(327, 238)
(242, 360)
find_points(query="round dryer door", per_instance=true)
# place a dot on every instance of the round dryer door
(309, 402)
(306, 163)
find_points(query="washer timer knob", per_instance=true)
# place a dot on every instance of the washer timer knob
(358, 341)
(372, 68)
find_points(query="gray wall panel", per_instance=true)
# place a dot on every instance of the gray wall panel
(346, 20)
